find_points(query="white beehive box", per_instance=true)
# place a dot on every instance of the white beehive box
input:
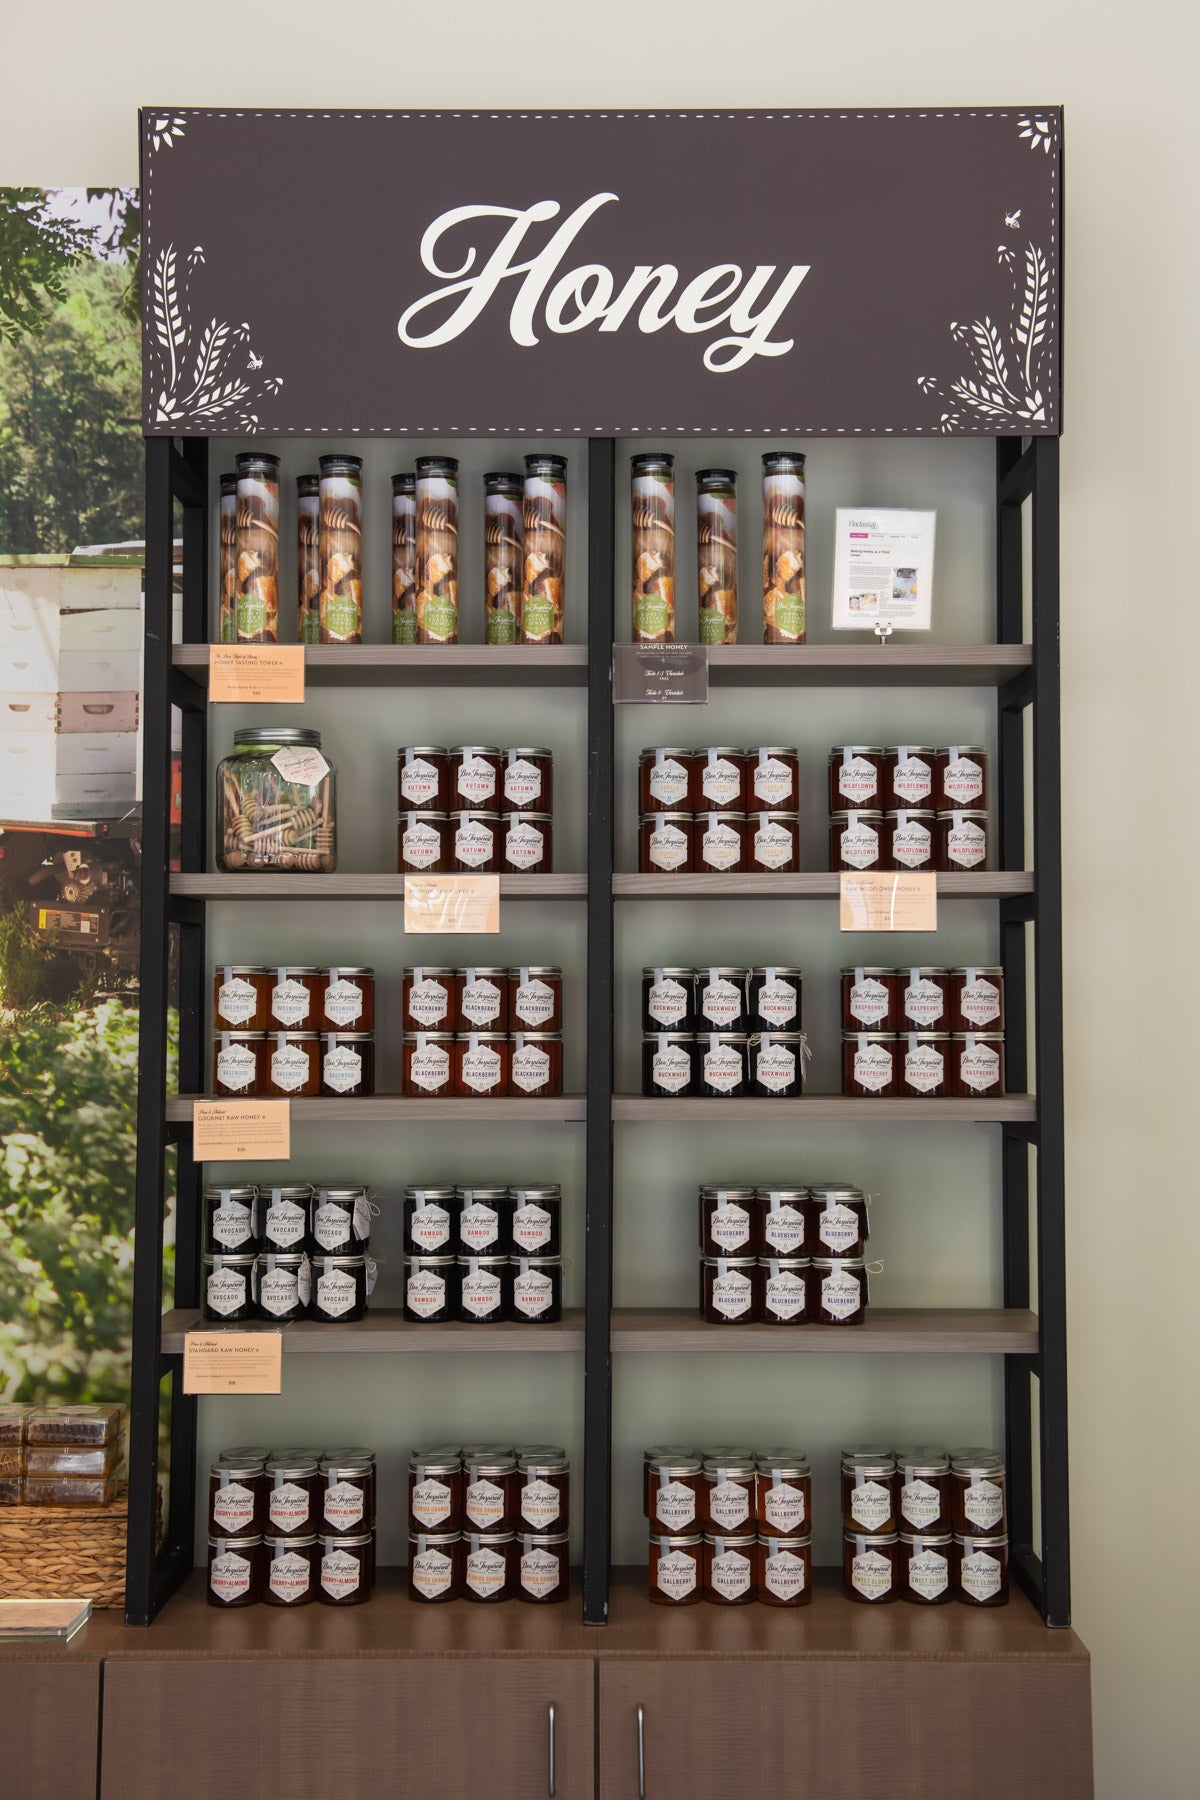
(45, 714)
(76, 586)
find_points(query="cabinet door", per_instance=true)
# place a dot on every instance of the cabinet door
(441, 1727)
(838, 1730)
(50, 1719)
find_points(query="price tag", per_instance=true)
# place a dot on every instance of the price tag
(267, 674)
(452, 903)
(660, 674)
(904, 901)
(233, 1362)
(241, 1130)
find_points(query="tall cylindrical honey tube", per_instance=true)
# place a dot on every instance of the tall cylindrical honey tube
(653, 549)
(717, 555)
(545, 550)
(340, 550)
(783, 548)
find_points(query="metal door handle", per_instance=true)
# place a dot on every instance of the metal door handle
(550, 1738)
(641, 1742)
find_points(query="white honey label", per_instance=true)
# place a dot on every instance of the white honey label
(675, 1575)
(476, 780)
(731, 1575)
(430, 1503)
(674, 1505)
(980, 1002)
(540, 1572)
(868, 1001)
(342, 1068)
(481, 1294)
(729, 1505)
(418, 781)
(980, 1068)
(841, 1294)
(720, 847)
(983, 1505)
(226, 1292)
(784, 1229)
(722, 1067)
(920, 1503)
(331, 1227)
(912, 844)
(784, 1507)
(289, 1067)
(786, 1294)
(668, 847)
(532, 1227)
(277, 1291)
(783, 1574)
(235, 1066)
(838, 1228)
(485, 1572)
(859, 846)
(913, 780)
(231, 1224)
(729, 1226)
(341, 1573)
(481, 1002)
(474, 843)
(425, 1293)
(773, 845)
(964, 781)
(720, 782)
(522, 783)
(485, 1504)
(286, 1223)
(533, 1003)
(236, 1000)
(343, 1505)
(533, 1294)
(671, 1068)
(873, 1067)
(731, 1294)
(775, 1068)
(422, 845)
(871, 1575)
(479, 1227)
(924, 1003)
(928, 1574)
(336, 1292)
(481, 1069)
(667, 1003)
(229, 1575)
(966, 845)
(778, 1003)
(429, 1002)
(924, 1068)
(288, 1506)
(291, 1002)
(980, 1575)
(430, 1572)
(344, 1003)
(430, 1227)
(540, 1505)
(772, 783)
(870, 1505)
(290, 1577)
(429, 1068)
(525, 845)
(233, 1508)
(668, 782)
(858, 780)
(531, 1068)
(301, 767)
(721, 1002)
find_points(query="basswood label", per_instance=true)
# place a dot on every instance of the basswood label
(236, 1000)
(341, 1573)
(980, 1575)
(288, 1506)
(229, 1575)
(481, 1002)
(720, 782)
(668, 782)
(671, 1068)
(233, 1507)
(928, 1574)
(858, 780)
(841, 1294)
(676, 1574)
(785, 1294)
(920, 1503)
(731, 1574)
(674, 1505)
(783, 1574)
(429, 1002)
(289, 1067)
(872, 1067)
(235, 1066)
(729, 1505)
(980, 1002)
(540, 1504)
(859, 846)
(429, 1572)
(983, 1505)
(476, 780)
(731, 1294)
(422, 845)
(290, 1576)
(533, 1002)
(522, 783)
(430, 1502)
(485, 1572)
(868, 1001)
(772, 783)
(924, 1068)
(871, 1574)
(923, 1002)
(668, 847)
(418, 781)
(301, 767)
(784, 1507)
(773, 845)
(342, 1068)
(729, 1226)
(290, 1002)
(870, 1505)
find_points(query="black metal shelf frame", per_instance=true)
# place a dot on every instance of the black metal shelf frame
(1026, 470)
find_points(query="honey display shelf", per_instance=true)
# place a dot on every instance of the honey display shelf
(827, 1109)
(357, 887)
(422, 665)
(377, 1109)
(1001, 885)
(385, 1331)
(941, 1331)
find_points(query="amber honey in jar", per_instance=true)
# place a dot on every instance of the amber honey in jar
(428, 999)
(484, 1000)
(422, 779)
(489, 1566)
(527, 844)
(474, 843)
(981, 1570)
(783, 1224)
(963, 840)
(537, 999)
(728, 1568)
(910, 839)
(772, 843)
(978, 1494)
(230, 1288)
(536, 1067)
(240, 998)
(721, 779)
(234, 1571)
(435, 1492)
(346, 1565)
(346, 1493)
(924, 1064)
(676, 1494)
(651, 1458)
(839, 1290)
(347, 1063)
(422, 841)
(783, 1494)
(430, 1289)
(292, 1065)
(977, 1064)
(232, 1221)
(669, 1063)
(923, 1567)
(857, 840)
(730, 1221)
(869, 1064)
(964, 779)
(481, 1065)
(777, 1064)
(914, 776)
(431, 1221)
(720, 843)
(291, 1498)
(869, 1567)
(348, 1000)
(435, 1565)
(668, 781)
(294, 996)
(727, 1496)
(784, 1290)
(426, 1064)
(857, 777)
(871, 999)
(545, 1493)
(923, 1496)
(666, 843)
(773, 779)
(543, 1567)
(474, 778)
(924, 1000)
(239, 1064)
(783, 1574)
(869, 1492)
(976, 999)
(729, 1290)
(491, 1495)
(236, 1507)
(527, 782)
(284, 1286)
(837, 1219)
(676, 1569)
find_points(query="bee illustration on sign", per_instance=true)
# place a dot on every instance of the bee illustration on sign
(1012, 220)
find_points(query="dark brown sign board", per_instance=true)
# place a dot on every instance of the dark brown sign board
(825, 273)
(660, 674)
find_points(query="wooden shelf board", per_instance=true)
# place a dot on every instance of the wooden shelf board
(358, 887)
(387, 1332)
(806, 886)
(827, 1109)
(886, 1330)
(867, 665)
(429, 665)
(399, 1107)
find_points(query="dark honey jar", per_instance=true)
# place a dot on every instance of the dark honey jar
(729, 1288)
(730, 1222)
(435, 1492)
(290, 1571)
(284, 1286)
(345, 1570)
(291, 1498)
(484, 1000)
(489, 1566)
(543, 1567)
(236, 1489)
(435, 1566)
(234, 1571)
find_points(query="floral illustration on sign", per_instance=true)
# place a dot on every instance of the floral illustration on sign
(202, 377)
(1039, 132)
(165, 128)
(1004, 384)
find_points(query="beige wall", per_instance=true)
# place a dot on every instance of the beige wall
(74, 76)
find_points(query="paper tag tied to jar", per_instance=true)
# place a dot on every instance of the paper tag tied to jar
(928, 1574)
(341, 1573)
(674, 1505)
(485, 1504)
(731, 1574)
(290, 1576)
(729, 1505)
(430, 1572)
(540, 1504)
(229, 1575)
(233, 1507)
(430, 1503)
(668, 781)
(676, 1574)
(783, 1573)
(342, 1068)
(858, 779)
(980, 1575)
(486, 1571)
(871, 1574)
(290, 1002)
(920, 1503)
(236, 1000)
(300, 766)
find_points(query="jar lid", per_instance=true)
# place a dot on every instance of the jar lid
(872, 1037)
(515, 820)
(837, 1262)
(424, 971)
(978, 1037)
(417, 816)
(844, 750)
(281, 1546)
(860, 814)
(671, 1037)
(980, 969)
(713, 1452)
(871, 1539)
(773, 750)
(920, 1538)
(483, 1037)
(331, 1542)
(231, 1193)
(836, 1190)
(791, 818)
(474, 812)
(911, 750)
(729, 1262)
(341, 1193)
(713, 1191)
(708, 975)
(341, 970)
(717, 814)
(527, 750)
(721, 1037)
(552, 1452)
(962, 812)
(774, 1194)
(652, 462)
(986, 1464)
(291, 969)
(483, 1262)
(475, 750)
(983, 1543)
(229, 482)
(253, 1453)
(910, 812)
(422, 750)
(220, 1260)
(426, 1452)
(871, 1450)
(288, 1035)
(721, 475)
(771, 1036)
(531, 968)
(478, 1538)
(256, 459)
(437, 465)
(241, 969)
(734, 1471)
(551, 1191)
(919, 1456)
(419, 1261)
(404, 483)
(972, 1453)
(277, 734)
(482, 1193)
(665, 818)
(525, 1263)
(676, 1465)
(923, 1037)
(238, 1543)
(478, 972)
(338, 463)
(347, 1037)
(775, 1545)
(358, 1453)
(721, 750)
(339, 1262)
(542, 463)
(491, 1465)
(665, 750)
(865, 1463)
(429, 1037)
(768, 973)
(677, 1543)
(422, 1538)
(737, 1540)
(526, 1539)
(783, 462)
(239, 1037)
(434, 1463)
(499, 481)
(283, 1259)
(784, 1462)
(918, 969)
(236, 1468)
(668, 1452)
(966, 750)
(543, 1465)
(298, 1191)
(291, 1470)
(424, 1196)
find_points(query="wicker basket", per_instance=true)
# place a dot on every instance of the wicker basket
(48, 1552)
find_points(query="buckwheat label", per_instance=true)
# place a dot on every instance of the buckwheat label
(721, 1002)
(671, 1068)
(722, 1067)
(775, 1068)
(777, 1003)
(667, 1002)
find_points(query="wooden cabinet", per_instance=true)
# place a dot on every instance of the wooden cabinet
(310, 1727)
(50, 1718)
